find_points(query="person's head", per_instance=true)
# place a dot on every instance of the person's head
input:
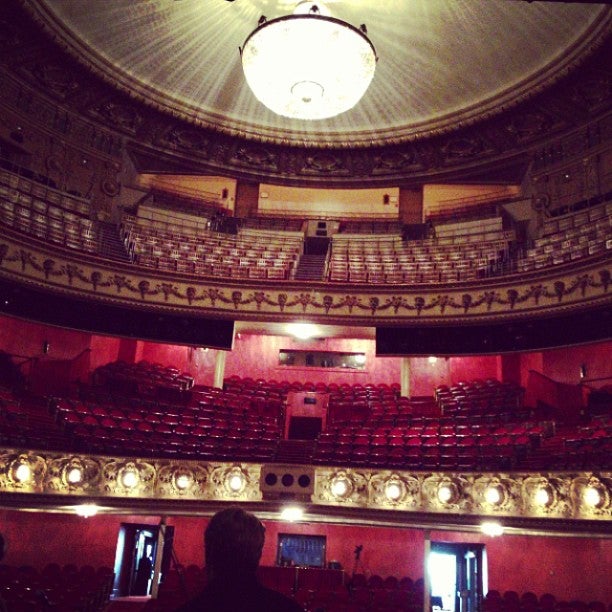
(233, 543)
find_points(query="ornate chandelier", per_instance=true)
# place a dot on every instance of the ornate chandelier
(308, 65)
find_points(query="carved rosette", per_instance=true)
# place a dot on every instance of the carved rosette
(342, 487)
(546, 496)
(591, 495)
(129, 478)
(183, 480)
(396, 491)
(22, 472)
(497, 494)
(235, 482)
(75, 475)
(447, 493)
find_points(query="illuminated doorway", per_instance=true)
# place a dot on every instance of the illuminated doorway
(457, 575)
(135, 558)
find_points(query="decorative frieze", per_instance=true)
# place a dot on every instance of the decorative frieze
(564, 495)
(556, 289)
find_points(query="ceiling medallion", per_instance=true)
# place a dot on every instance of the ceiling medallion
(308, 65)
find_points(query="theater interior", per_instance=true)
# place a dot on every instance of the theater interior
(386, 332)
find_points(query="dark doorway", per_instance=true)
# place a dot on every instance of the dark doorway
(304, 428)
(456, 573)
(135, 558)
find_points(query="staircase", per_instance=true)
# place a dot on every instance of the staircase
(310, 267)
(111, 244)
(294, 451)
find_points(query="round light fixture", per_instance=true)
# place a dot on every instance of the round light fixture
(394, 490)
(130, 478)
(592, 496)
(493, 495)
(182, 481)
(235, 482)
(303, 331)
(86, 510)
(491, 528)
(292, 514)
(543, 496)
(340, 487)
(360, 358)
(74, 475)
(23, 473)
(308, 65)
(447, 492)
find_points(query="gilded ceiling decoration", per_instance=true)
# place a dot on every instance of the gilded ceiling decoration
(442, 64)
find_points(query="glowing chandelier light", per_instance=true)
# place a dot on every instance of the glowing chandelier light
(308, 65)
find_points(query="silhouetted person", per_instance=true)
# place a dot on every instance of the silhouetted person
(233, 544)
(143, 575)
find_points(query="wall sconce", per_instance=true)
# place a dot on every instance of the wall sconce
(86, 510)
(491, 528)
(292, 514)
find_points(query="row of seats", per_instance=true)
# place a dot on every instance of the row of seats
(275, 224)
(479, 397)
(49, 214)
(211, 253)
(471, 453)
(38, 192)
(370, 227)
(211, 416)
(67, 588)
(511, 601)
(143, 374)
(254, 441)
(571, 237)
(246, 382)
(313, 589)
(433, 260)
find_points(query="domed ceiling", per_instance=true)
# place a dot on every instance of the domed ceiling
(443, 64)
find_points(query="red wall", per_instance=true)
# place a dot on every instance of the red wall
(25, 338)
(257, 356)
(563, 365)
(570, 568)
(198, 362)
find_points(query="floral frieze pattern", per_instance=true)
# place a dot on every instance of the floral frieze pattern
(108, 478)
(555, 289)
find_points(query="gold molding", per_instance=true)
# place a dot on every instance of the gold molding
(552, 290)
(158, 479)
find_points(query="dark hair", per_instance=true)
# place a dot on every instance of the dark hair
(233, 543)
